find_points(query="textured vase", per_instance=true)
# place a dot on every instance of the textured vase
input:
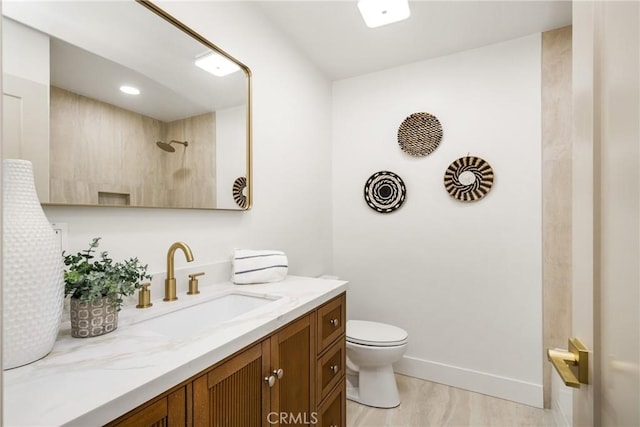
(32, 270)
(90, 319)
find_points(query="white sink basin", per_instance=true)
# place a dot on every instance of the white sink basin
(194, 319)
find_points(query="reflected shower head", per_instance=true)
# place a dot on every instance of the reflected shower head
(165, 146)
(168, 147)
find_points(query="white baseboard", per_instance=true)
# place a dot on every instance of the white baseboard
(480, 382)
(561, 402)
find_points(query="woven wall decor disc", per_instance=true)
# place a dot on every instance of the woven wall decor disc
(384, 192)
(419, 134)
(238, 191)
(468, 179)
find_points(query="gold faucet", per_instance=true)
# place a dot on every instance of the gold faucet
(170, 282)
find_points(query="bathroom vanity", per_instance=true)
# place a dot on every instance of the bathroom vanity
(282, 361)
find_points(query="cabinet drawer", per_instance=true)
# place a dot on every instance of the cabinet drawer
(331, 322)
(333, 412)
(331, 369)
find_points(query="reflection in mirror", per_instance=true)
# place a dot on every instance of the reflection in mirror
(116, 105)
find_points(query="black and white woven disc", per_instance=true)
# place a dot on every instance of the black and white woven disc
(420, 134)
(385, 192)
(468, 179)
(238, 192)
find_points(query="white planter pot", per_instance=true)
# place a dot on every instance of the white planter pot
(32, 270)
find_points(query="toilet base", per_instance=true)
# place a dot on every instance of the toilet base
(374, 387)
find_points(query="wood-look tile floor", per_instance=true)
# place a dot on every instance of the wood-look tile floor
(430, 404)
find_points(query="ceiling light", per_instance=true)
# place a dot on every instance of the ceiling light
(130, 90)
(216, 64)
(382, 12)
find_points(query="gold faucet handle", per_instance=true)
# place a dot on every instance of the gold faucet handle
(193, 283)
(144, 296)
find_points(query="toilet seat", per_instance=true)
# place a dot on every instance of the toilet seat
(375, 334)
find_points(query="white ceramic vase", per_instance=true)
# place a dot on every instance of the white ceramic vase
(32, 270)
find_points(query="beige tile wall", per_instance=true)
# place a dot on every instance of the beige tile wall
(556, 193)
(99, 148)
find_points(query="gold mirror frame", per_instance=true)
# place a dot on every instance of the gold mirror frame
(243, 131)
(248, 203)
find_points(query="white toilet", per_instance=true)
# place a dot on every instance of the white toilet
(371, 349)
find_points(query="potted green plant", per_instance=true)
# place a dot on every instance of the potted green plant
(97, 286)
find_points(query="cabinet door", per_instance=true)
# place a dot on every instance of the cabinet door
(293, 351)
(235, 393)
(168, 411)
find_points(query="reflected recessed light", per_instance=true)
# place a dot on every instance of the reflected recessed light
(216, 64)
(130, 90)
(382, 12)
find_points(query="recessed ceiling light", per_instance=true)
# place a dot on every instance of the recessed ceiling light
(130, 90)
(216, 64)
(377, 13)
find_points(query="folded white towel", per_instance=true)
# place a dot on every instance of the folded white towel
(258, 266)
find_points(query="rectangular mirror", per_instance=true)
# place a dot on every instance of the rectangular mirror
(120, 104)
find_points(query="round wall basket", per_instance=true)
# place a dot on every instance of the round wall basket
(468, 179)
(384, 192)
(239, 186)
(420, 134)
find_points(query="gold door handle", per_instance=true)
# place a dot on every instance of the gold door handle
(577, 355)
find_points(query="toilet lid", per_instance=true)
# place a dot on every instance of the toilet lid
(375, 334)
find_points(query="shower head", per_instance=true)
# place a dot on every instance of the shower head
(168, 147)
(165, 146)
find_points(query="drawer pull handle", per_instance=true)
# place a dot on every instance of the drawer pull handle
(334, 322)
(335, 369)
(270, 380)
(278, 373)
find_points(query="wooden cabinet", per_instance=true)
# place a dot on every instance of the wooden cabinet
(169, 409)
(294, 377)
(258, 385)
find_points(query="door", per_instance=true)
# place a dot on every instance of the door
(25, 127)
(606, 213)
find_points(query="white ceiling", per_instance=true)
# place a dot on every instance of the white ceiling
(333, 35)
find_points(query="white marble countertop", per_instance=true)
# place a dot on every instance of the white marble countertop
(91, 381)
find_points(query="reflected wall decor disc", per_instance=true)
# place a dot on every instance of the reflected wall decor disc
(468, 179)
(384, 192)
(420, 134)
(239, 186)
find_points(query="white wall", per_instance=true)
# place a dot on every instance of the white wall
(463, 279)
(291, 158)
(231, 147)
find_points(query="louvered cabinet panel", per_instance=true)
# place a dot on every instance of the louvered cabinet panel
(168, 410)
(234, 394)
